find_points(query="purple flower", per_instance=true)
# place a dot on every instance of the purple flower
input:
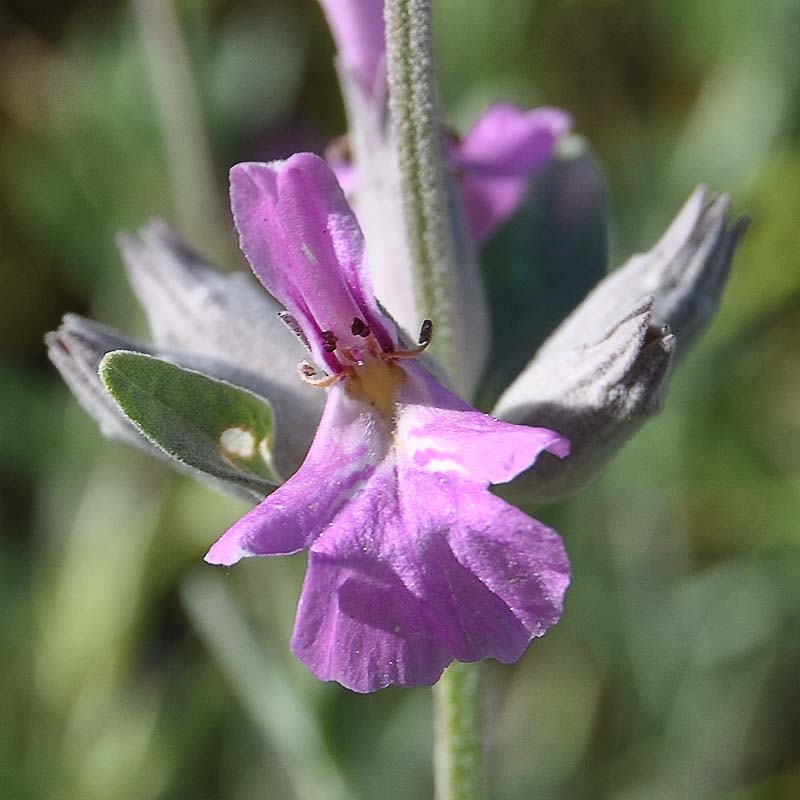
(412, 562)
(497, 158)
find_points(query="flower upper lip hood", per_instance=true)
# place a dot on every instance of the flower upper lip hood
(293, 222)
(412, 562)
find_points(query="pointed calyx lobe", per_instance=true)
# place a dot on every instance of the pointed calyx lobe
(605, 370)
(412, 562)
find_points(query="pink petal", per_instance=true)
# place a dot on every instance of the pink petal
(396, 588)
(497, 158)
(304, 244)
(442, 433)
(348, 444)
(412, 562)
(358, 625)
(519, 559)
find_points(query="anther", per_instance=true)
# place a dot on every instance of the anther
(359, 328)
(294, 327)
(308, 373)
(425, 335)
(425, 332)
(328, 341)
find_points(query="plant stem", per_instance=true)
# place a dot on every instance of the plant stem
(448, 291)
(446, 281)
(458, 757)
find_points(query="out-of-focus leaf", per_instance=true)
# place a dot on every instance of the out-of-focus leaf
(220, 429)
(281, 714)
(235, 57)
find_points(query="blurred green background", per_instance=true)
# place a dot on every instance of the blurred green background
(130, 669)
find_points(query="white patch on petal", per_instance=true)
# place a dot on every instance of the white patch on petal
(433, 456)
(444, 465)
(307, 252)
(361, 465)
(239, 442)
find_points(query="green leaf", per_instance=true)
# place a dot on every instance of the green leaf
(220, 429)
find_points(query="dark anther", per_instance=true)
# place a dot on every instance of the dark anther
(307, 370)
(293, 326)
(425, 332)
(328, 341)
(359, 328)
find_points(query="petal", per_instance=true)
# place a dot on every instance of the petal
(497, 158)
(508, 140)
(350, 441)
(439, 432)
(414, 573)
(304, 244)
(357, 27)
(340, 160)
(357, 624)
(517, 557)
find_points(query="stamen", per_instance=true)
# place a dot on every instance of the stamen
(307, 373)
(294, 327)
(306, 370)
(329, 341)
(359, 328)
(425, 336)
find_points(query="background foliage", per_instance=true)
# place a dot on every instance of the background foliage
(129, 669)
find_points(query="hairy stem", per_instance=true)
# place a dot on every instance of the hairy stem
(458, 762)
(446, 279)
